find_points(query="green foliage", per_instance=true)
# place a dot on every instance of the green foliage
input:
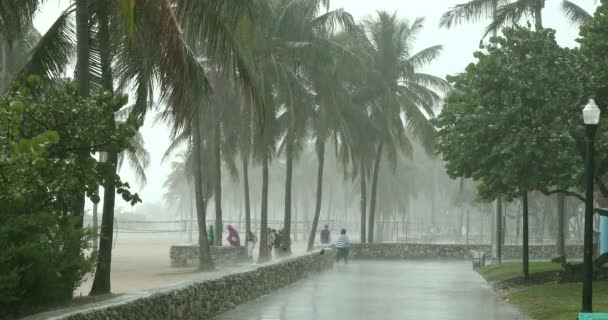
(47, 136)
(513, 122)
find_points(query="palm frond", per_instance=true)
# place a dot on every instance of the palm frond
(510, 13)
(575, 14)
(425, 56)
(53, 51)
(471, 11)
(16, 16)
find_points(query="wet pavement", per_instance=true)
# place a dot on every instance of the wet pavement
(440, 290)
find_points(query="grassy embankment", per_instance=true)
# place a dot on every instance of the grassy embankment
(550, 300)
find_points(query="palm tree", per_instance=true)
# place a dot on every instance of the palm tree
(398, 91)
(506, 12)
(306, 27)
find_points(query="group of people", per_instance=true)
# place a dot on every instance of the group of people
(275, 241)
(342, 244)
(235, 240)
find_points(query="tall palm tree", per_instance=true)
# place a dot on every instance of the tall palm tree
(505, 12)
(305, 28)
(398, 91)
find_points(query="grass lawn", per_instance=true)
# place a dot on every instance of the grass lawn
(550, 301)
(507, 270)
(558, 301)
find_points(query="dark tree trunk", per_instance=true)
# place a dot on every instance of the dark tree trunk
(3, 65)
(538, 16)
(102, 282)
(219, 228)
(288, 178)
(372, 208)
(82, 75)
(264, 253)
(560, 239)
(205, 261)
(498, 239)
(315, 220)
(525, 255)
(363, 201)
(246, 191)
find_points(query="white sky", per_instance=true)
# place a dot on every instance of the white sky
(459, 45)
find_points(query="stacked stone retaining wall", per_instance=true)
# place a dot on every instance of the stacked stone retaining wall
(416, 250)
(186, 255)
(201, 299)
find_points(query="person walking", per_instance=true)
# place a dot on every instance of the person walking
(278, 239)
(251, 241)
(233, 237)
(270, 240)
(342, 245)
(325, 236)
(210, 235)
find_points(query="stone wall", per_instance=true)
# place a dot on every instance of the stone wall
(186, 255)
(201, 299)
(416, 250)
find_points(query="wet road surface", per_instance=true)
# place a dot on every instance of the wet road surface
(440, 290)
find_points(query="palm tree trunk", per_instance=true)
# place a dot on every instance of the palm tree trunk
(82, 75)
(372, 207)
(82, 46)
(264, 253)
(363, 201)
(525, 256)
(218, 187)
(560, 239)
(315, 220)
(246, 191)
(4, 65)
(205, 262)
(101, 282)
(538, 14)
(288, 178)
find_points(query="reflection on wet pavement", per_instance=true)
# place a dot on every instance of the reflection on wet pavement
(439, 290)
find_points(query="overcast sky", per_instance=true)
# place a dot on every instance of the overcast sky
(459, 45)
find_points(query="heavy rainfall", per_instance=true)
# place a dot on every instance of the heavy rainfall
(303, 159)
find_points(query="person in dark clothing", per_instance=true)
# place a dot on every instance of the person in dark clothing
(325, 236)
(277, 243)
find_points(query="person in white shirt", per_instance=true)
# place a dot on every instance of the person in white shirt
(342, 245)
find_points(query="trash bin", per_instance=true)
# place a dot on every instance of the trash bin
(479, 259)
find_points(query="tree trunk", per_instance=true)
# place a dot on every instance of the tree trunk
(246, 191)
(82, 46)
(315, 220)
(525, 256)
(219, 228)
(205, 261)
(498, 239)
(264, 253)
(4, 64)
(82, 75)
(288, 178)
(101, 282)
(560, 239)
(363, 201)
(538, 16)
(372, 208)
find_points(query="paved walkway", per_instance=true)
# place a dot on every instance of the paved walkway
(440, 290)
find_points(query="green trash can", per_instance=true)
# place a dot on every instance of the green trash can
(479, 259)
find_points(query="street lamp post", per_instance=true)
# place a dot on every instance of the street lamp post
(591, 116)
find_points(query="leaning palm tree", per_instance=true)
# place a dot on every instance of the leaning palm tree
(398, 94)
(505, 12)
(152, 49)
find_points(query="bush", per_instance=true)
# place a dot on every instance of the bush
(47, 136)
